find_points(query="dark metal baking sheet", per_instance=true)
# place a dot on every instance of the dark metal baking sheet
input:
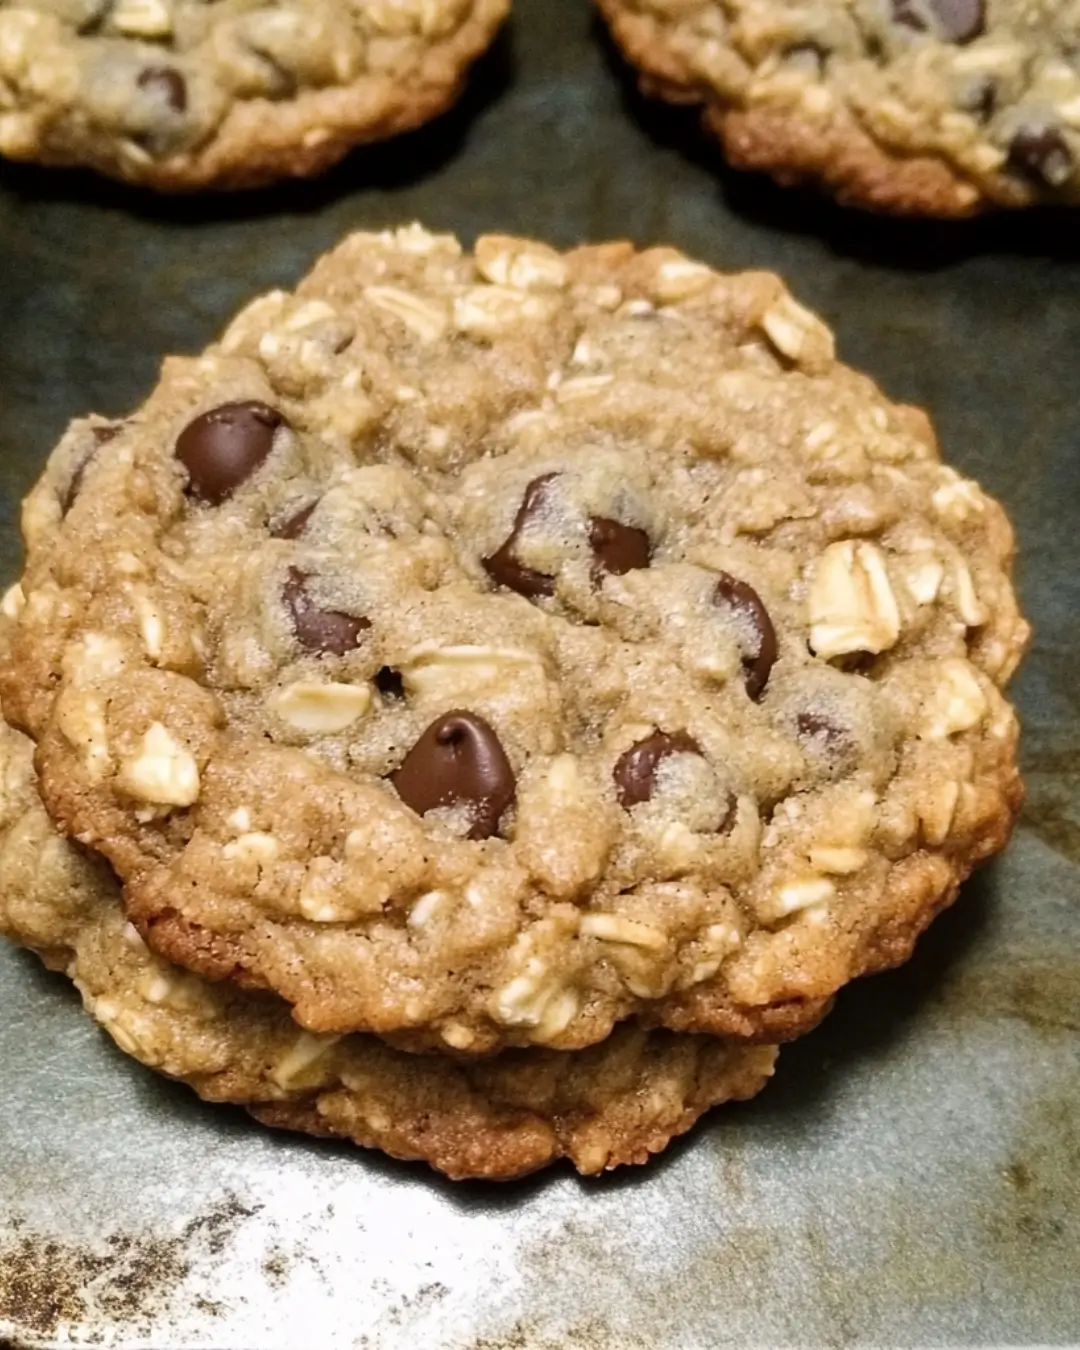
(913, 1175)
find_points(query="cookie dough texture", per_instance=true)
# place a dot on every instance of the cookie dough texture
(186, 94)
(617, 1103)
(927, 107)
(483, 649)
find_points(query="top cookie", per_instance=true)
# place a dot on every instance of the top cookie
(481, 649)
(933, 107)
(183, 94)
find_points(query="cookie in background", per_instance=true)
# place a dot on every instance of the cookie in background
(913, 107)
(180, 95)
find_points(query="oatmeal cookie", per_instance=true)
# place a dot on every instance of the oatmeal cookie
(923, 107)
(186, 94)
(482, 649)
(614, 1104)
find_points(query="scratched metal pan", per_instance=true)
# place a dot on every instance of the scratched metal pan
(912, 1176)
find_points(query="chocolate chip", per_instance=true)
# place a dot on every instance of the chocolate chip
(1041, 155)
(731, 812)
(979, 98)
(389, 683)
(503, 566)
(74, 487)
(317, 629)
(292, 527)
(908, 13)
(635, 772)
(960, 20)
(834, 737)
(618, 548)
(745, 603)
(167, 84)
(223, 448)
(458, 759)
(957, 20)
(102, 435)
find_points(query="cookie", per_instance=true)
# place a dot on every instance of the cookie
(483, 649)
(185, 94)
(617, 1103)
(922, 107)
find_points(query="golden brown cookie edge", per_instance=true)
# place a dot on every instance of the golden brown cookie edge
(836, 155)
(263, 142)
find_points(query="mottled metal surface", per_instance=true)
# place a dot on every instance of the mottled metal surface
(913, 1175)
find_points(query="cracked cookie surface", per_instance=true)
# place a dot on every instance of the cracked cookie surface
(615, 1104)
(926, 107)
(482, 649)
(186, 94)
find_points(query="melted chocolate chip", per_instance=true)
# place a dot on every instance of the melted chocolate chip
(503, 566)
(389, 683)
(317, 629)
(744, 602)
(78, 477)
(1041, 155)
(292, 527)
(102, 436)
(635, 772)
(980, 98)
(618, 548)
(814, 725)
(731, 813)
(458, 759)
(957, 20)
(223, 448)
(168, 84)
(908, 14)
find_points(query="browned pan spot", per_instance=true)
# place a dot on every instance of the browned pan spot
(1019, 1175)
(410, 1306)
(1050, 813)
(126, 1280)
(209, 1307)
(1052, 780)
(1035, 1210)
(589, 1334)
(45, 1284)
(1043, 994)
(275, 1268)
(216, 1227)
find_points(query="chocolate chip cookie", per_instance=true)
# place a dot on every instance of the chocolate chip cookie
(484, 648)
(617, 1103)
(925, 107)
(185, 94)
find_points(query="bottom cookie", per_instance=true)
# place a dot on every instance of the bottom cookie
(615, 1103)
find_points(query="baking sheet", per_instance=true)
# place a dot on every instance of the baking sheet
(913, 1174)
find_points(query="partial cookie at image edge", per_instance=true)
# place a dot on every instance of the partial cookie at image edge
(262, 140)
(835, 154)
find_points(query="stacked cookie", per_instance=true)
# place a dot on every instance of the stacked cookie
(499, 696)
(615, 1103)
